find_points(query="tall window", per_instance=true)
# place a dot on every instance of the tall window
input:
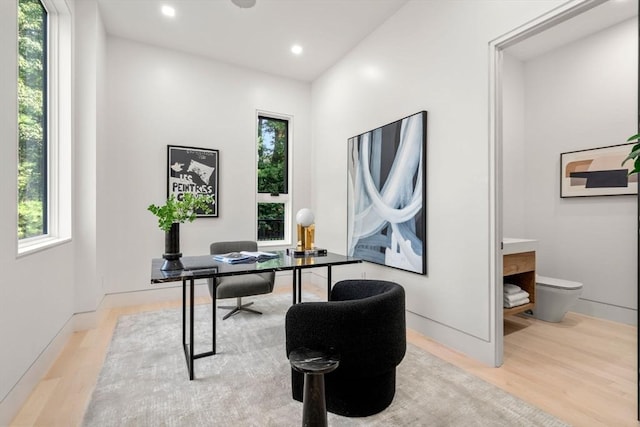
(32, 120)
(44, 205)
(273, 179)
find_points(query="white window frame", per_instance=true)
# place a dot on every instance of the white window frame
(286, 199)
(59, 131)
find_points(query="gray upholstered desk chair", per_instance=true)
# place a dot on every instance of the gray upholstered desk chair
(243, 285)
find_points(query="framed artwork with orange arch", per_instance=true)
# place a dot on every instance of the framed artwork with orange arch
(597, 172)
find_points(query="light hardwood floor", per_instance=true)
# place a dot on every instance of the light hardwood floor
(582, 370)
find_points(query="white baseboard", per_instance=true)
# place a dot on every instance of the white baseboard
(84, 321)
(606, 311)
(171, 293)
(18, 395)
(150, 296)
(474, 347)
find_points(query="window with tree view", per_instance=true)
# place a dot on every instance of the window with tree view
(32, 119)
(273, 178)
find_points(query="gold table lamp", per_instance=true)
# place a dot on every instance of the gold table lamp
(306, 229)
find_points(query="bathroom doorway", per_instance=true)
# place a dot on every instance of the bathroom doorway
(568, 24)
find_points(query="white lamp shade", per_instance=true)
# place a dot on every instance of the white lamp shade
(305, 217)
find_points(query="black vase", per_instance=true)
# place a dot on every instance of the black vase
(172, 252)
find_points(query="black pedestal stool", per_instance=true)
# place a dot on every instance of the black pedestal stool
(313, 364)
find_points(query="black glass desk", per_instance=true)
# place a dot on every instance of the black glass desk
(205, 267)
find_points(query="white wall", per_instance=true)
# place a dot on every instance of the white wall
(582, 96)
(429, 56)
(36, 290)
(513, 149)
(130, 102)
(90, 44)
(158, 97)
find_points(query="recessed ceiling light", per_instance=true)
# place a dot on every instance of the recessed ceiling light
(168, 11)
(244, 4)
(372, 72)
(296, 49)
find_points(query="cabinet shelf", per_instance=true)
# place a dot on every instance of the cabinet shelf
(520, 269)
(519, 309)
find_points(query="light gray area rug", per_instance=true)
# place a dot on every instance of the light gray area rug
(144, 381)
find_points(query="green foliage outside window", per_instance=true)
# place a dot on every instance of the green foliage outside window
(32, 173)
(273, 137)
(272, 155)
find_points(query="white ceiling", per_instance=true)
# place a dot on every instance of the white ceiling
(596, 19)
(260, 37)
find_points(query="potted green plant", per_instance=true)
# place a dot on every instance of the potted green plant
(174, 212)
(634, 154)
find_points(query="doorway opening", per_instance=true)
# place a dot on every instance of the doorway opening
(566, 24)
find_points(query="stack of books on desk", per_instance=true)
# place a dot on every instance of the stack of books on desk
(245, 256)
(297, 253)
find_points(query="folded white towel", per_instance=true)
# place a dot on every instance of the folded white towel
(510, 288)
(516, 303)
(515, 297)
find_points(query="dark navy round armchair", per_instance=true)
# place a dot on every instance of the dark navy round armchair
(364, 322)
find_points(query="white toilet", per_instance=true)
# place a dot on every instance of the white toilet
(554, 297)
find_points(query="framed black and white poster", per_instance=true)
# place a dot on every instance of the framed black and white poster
(386, 195)
(193, 170)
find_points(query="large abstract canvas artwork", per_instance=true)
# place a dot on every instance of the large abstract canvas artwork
(387, 194)
(597, 172)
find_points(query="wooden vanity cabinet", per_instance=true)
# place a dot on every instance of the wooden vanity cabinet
(520, 269)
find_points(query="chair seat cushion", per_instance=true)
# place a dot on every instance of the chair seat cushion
(240, 286)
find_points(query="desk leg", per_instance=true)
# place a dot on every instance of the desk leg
(328, 283)
(191, 291)
(295, 287)
(299, 285)
(185, 346)
(188, 345)
(213, 323)
(184, 313)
